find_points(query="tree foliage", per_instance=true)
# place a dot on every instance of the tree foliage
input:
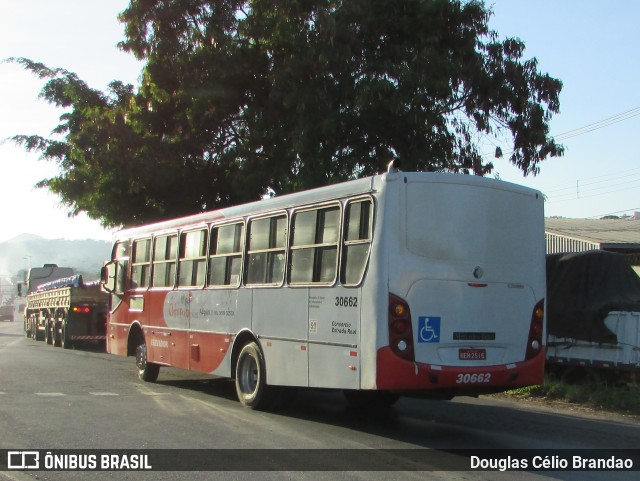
(241, 98)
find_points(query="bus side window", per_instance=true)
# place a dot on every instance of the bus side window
(193, 261)
(164, 260)
(121, 253)
(141, 263)
(225, 260)
(266, 250)
(357, 241)
(314, 246)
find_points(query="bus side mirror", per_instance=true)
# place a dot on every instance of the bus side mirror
(108, 276)
(19, 289)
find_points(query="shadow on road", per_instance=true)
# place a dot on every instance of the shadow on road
(462, 423)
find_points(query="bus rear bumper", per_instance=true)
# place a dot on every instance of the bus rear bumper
(395, 374)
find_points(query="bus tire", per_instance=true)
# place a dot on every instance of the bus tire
(251, 378)
(147, 371)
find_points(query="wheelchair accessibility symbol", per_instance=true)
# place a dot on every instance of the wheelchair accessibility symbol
(428, 329)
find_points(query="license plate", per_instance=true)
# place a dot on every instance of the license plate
(472, 354)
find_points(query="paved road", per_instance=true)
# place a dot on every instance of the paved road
(52, 398)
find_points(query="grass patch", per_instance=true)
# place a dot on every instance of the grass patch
(588, 387)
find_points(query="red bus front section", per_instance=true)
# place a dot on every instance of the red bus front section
(166, 321)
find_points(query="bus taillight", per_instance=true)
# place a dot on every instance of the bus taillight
(534, 343)
(400, 328)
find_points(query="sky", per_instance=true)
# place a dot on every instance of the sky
(591, 47)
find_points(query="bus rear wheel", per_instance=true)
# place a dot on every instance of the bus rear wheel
(147, 371)
(251, 379)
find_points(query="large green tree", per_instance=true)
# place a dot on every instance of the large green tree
(242, 98)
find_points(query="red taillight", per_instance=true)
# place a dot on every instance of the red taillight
(534, 343)
(81, 309)
(400, 328)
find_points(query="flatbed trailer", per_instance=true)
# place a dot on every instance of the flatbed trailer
(67, 311)
(621, 354)
(593, 312)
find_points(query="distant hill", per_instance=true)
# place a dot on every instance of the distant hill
(27, 250)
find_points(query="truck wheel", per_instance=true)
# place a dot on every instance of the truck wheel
(147, 371)
(57, 329)
(251, 379)
(55, 337)
(51, 333)
(36, 332)
(65, 342)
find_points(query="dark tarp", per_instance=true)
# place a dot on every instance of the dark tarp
(583, 287)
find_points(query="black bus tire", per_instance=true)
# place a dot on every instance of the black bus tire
(251, 379)
(147, 371)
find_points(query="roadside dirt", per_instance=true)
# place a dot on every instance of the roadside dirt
(560, 407)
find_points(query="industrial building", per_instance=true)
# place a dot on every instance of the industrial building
(579, 235)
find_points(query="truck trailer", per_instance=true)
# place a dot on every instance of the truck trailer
(593, 312)
(65, 311)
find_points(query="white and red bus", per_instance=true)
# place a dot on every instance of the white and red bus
(420, 284)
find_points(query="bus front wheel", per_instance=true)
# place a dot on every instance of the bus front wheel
(147, 371)
(251, 378)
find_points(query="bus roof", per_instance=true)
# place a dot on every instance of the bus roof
(319, 194)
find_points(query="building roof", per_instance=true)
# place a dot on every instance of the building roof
(609, 233)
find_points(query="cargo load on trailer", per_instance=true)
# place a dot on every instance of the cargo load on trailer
(593, 311)
(64, 311)
(41, 275)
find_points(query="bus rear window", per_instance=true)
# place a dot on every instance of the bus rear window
(461, 222)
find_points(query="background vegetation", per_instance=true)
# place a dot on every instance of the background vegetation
(244, 98)
(597, 389)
